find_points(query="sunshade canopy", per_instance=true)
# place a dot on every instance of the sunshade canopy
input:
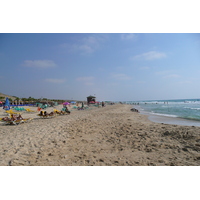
(66, 103)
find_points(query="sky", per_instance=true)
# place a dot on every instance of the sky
(110, 66)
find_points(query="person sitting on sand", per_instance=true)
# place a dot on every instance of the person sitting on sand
(51, 114)
(13, 117)
(66, 110)
(62, 112)
(19, 117)
(6, 119)
(134, 110)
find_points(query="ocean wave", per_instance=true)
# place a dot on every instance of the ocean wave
(192, 108)
(165, 115)
(195, 118)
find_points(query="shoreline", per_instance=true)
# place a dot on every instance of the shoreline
(168, 120)
(174, 121)
(109, 136)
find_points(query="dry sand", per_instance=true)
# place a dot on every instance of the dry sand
(111, 136)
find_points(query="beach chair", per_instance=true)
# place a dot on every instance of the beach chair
(27, 120)
(11, 112)
(14, 122)
(18, 121)
(57, 112)
(29, 110)
(20, 109)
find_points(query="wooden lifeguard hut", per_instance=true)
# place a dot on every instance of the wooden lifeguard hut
(91, 99)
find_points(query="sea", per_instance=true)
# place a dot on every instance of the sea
(179, 111)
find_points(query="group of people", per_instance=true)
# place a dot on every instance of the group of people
(52, 114)
(45, 114)
(12, 118)
(134, 110)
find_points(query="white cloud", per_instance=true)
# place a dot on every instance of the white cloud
(43, 64)
(167, 74)
(121, 77)
(128, 36)
(55, 80)
(144, 68)
(151, 55)
(88, 80)
(184, 82)
(164, 72)
(86, 45)
(172, 76)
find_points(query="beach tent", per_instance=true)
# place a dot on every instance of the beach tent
(7, 104)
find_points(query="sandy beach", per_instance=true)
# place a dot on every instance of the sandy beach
(109, 136)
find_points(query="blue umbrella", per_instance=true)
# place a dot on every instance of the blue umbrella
(73, 102)
(7, 104)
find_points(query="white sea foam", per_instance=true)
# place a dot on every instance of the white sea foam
(192, 108)
(165, 115)
(195, 108)
(187, 108)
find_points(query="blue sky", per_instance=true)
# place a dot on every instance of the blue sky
(121, 67)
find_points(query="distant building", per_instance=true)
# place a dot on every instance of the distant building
(91, 98)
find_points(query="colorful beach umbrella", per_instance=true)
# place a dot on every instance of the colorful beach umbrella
(66, 103)
(7, 104)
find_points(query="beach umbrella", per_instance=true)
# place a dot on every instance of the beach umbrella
(91, 102)
(1, 102)
(66, 103)
(7, 104)
(73, 102)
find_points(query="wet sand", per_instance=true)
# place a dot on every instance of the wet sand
(110, 136)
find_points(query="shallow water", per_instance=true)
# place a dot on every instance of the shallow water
(181, 112)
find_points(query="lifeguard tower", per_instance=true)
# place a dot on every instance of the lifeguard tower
(91, 99)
